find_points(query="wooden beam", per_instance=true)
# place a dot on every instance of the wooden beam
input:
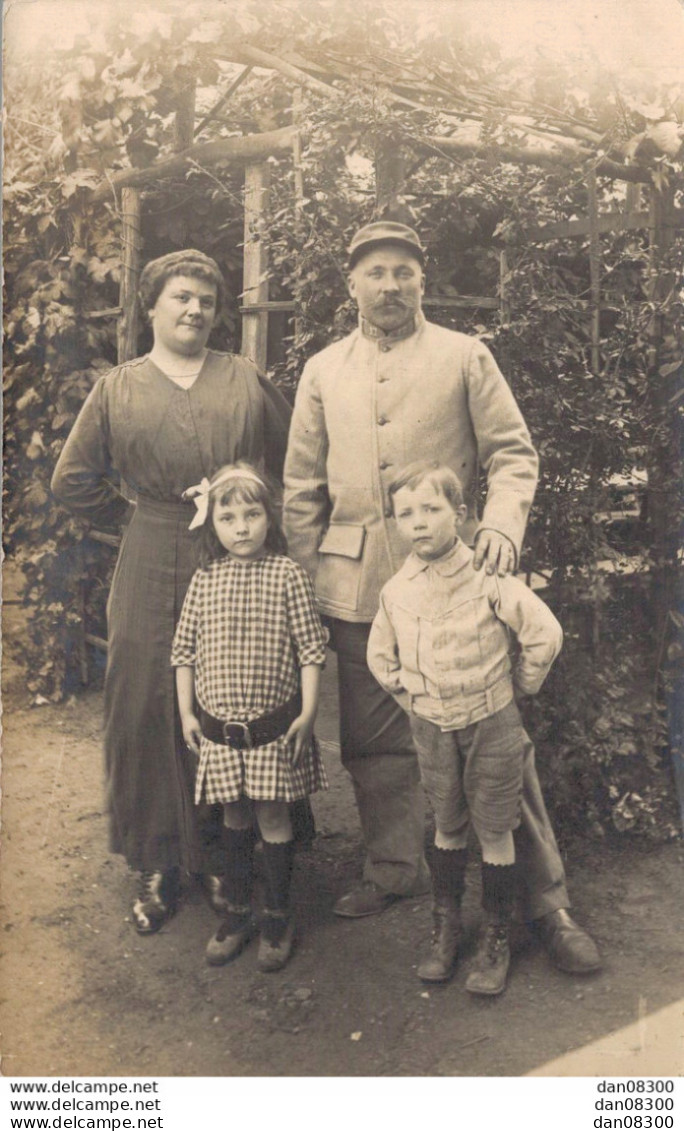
(211, 114)
(249, 147)
(261, 307)
(456, 147)
(248, 53)
(127, 330)
(255, 283)
(613, 221)
(107, 312)
(466, 302)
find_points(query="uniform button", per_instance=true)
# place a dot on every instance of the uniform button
(384, 465)
(385, 346)
(381, 380)
(388, 512)
(383, 420)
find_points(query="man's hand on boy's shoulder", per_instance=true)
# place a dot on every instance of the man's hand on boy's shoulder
(495, 552)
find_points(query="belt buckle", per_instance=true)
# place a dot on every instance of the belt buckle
(246, 743)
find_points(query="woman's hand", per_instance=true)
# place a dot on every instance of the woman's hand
(299, 735)
(192, 733)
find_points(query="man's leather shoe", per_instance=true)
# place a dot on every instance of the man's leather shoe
(366, 899)
(569, 947)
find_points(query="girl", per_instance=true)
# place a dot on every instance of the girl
(249, 649)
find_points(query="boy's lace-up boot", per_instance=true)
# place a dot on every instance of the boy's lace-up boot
(439, 964)
(447, 868)
(277, 924)
(490, 964)
(157, 900)
(489, 968)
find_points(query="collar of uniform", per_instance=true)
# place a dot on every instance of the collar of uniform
(405, 331)
(458, 557)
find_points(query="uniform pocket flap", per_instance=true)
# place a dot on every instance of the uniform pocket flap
(345, 539)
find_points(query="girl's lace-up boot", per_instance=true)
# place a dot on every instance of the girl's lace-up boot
(237, 925)
(277, 924)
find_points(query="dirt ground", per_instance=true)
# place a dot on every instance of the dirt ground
(83, 994)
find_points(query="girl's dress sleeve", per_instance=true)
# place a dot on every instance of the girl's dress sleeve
(184, 649)
(84, 478)
(306, 630)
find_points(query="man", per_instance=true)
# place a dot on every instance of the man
(395, 390)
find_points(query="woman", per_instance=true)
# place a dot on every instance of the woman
(157, 426)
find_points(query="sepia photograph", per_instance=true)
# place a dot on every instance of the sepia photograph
(343, 439)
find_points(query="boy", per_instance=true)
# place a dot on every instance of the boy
(440, 644)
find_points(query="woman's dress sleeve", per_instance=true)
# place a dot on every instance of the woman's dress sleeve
(84, 479)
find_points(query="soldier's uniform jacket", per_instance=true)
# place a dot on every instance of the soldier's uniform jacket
(367, 406)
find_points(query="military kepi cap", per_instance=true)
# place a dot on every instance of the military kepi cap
(385, 231)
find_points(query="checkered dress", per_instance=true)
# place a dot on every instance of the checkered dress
(247, 628)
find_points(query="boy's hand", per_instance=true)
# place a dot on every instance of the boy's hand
(299, 735)
(495, 551)
(192, 733)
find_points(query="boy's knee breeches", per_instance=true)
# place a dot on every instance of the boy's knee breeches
(474, 773)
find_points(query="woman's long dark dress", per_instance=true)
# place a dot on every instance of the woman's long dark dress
(159, 439)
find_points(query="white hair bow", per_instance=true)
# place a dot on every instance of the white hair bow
(200, 497)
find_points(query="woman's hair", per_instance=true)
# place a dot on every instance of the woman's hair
(247, 489)
(443, 479)
(191, 263)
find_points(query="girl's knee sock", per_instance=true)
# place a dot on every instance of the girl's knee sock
(277, 863)
(447, 868)
(498, 890)
(239, 866)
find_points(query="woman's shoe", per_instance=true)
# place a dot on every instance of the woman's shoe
(232, 936)
(157, 900)
(276, 942)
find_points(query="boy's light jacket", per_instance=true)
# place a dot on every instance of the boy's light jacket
(442, 639)
(368, 405)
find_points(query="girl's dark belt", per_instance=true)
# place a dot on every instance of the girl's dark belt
(257, 732)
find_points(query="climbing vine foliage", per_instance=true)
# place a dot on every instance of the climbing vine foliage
(607, 425)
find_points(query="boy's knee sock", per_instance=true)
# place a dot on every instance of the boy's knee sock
(498, 890)
(277, 863)
(239, 865)
(447, 868)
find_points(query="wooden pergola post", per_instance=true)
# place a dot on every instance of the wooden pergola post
(127, 330)
(255, 268)
(184, 122)
(594, 272)
(390, 175)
